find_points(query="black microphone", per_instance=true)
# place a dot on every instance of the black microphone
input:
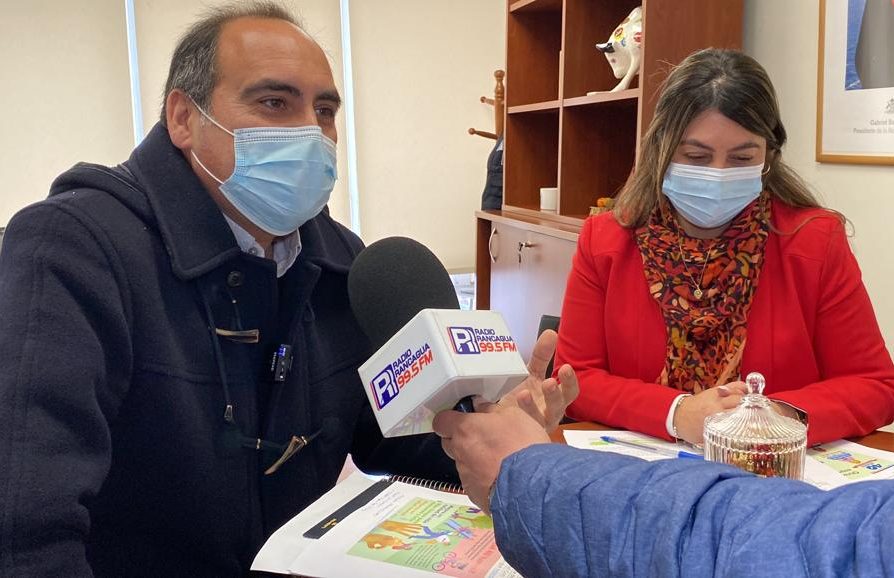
(391, 281)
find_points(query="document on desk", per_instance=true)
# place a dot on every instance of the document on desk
(592, 440)
(838, 463)
(826, 466)
(386, 529)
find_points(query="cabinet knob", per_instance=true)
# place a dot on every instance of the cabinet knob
(522, 245)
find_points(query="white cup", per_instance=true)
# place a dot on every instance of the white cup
(548, 196)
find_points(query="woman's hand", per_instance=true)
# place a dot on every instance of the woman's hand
(689, 419)
(544, 399)
(480, 441)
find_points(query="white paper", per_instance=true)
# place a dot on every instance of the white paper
(826, 466)
(332, 557)
(839, 463)
(592, 440)
(288, 542)
(441, 523)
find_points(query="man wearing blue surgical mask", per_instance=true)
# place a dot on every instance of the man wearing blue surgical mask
(263, 142)
(179, 371)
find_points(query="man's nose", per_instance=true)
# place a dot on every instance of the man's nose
(308, 116)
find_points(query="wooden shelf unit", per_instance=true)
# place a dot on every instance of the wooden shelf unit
(520, 6)
(552, 63)
(557, 135)
(550, 105)
(602, 97)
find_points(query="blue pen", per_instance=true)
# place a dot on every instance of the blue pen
(654, 449)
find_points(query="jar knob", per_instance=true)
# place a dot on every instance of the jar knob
(755, 382)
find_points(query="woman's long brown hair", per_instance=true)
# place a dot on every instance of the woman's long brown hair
(739, 88)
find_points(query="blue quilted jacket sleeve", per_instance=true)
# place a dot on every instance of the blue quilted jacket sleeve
(561, 511)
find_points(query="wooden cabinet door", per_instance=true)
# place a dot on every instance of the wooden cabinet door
(527, 279)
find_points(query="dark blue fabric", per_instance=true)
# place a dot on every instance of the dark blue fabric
(561, 511)
(113, 453)
(492, 197)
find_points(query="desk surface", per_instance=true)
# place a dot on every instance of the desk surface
(880, 440)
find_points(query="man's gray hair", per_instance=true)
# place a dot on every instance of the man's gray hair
(194, 64)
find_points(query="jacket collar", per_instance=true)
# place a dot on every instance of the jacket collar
(193, 227)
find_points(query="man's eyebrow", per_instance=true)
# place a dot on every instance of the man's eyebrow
(266, 85)
(269, 85)
(330, 96)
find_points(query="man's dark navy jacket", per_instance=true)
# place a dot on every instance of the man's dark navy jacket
(114, 455)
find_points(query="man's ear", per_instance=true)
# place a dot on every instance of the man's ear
(179, 109)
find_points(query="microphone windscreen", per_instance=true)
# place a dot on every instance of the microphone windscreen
(391, 281)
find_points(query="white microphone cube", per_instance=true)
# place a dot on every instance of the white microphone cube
(439, 357)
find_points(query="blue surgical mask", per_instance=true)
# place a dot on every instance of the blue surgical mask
(282, 176)
(708, 197)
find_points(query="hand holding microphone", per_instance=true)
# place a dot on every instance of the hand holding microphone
(430, 354)
(478, 442)
(541, 396)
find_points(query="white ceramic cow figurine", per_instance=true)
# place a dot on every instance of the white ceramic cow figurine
(624, 48)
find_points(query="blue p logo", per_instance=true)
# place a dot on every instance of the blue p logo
(464, 341)
(384, 387)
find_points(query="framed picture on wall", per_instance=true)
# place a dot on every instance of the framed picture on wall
(855, 95)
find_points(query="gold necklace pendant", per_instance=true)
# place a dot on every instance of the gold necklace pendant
(697, 292)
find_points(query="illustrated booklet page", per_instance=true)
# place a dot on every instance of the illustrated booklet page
(388, 529)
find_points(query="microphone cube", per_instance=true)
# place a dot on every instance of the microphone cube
(439, 357)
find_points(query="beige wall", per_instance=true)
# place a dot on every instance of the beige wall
(419, 69)
(66, 84)
(161, 22)
(65, 93)
(783, 36)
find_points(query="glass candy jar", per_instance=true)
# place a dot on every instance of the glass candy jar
(755, 438)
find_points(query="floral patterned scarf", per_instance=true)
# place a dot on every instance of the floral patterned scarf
(706, 335)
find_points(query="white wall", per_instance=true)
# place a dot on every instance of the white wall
(66, 85)
(419, 69)
(65, 93)
(783, 36)
(160, 23)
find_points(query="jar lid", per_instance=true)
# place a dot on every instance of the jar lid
(754, 421)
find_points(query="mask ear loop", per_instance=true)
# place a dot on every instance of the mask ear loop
(204, 168)
(215, 123)
(209, 117)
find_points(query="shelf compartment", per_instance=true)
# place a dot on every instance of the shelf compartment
(535, 6)
(533, 49)
(683, 27)
(602, 97)
(530, 159)
(548, 106)
(598, 150)
(586, 24)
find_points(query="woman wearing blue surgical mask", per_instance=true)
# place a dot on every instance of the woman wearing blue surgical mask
(716, 261)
